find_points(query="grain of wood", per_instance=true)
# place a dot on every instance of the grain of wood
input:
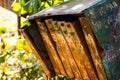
(83, 53)
(73, 51)
(50, 49)
(93, 48)
(58, 39)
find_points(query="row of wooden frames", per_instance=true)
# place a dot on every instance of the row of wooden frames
(65, 48)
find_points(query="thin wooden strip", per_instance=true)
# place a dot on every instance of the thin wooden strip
(29, 38)
(82, 51)
(62, 45)
(93, 48)
(65, 49)
(65, 32)
(58, 40)
(49, 46)
(77, 56)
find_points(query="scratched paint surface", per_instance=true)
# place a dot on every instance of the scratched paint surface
(104, 19)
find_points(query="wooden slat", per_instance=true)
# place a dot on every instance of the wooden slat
(82, 51)
(59, 69)
(35, 46)
(50, 49)
(62, 51)
(93, 48)
(75, 54)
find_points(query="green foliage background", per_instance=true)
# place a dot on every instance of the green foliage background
(29, 7)
(17, 61)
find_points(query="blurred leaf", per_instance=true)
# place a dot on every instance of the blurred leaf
(24, 23)
(7, 70)
(26, 7)
(16, 7)
(23, 11)
(49, 2)
(20, 58)
(3, 29)
(22, 2)
(10, 53)
(7, 44)
(47, 5)
(2, 58)
(58, 1)
(20, 44)
(34, 6)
